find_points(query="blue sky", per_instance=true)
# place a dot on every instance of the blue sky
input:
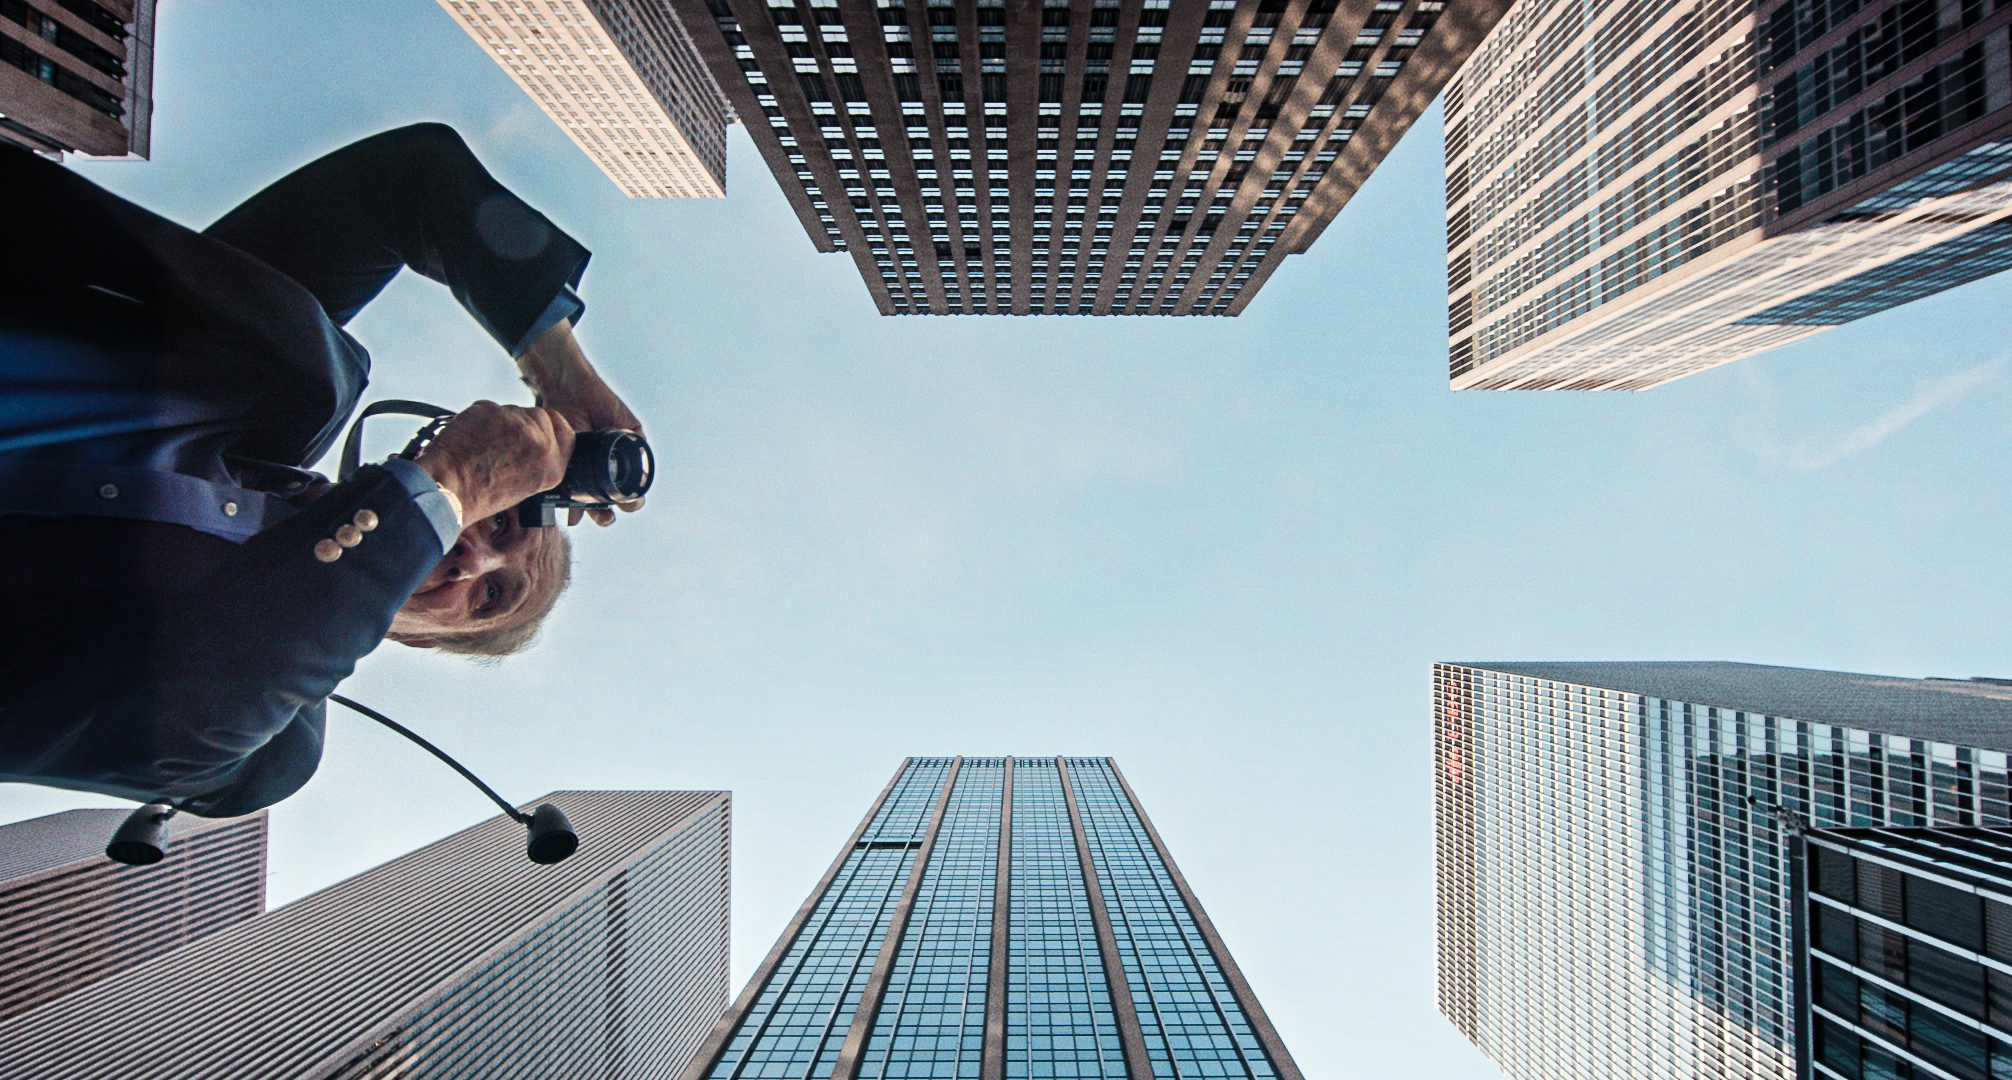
(1225, 551)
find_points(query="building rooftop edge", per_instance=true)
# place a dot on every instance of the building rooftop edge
(1969, 712)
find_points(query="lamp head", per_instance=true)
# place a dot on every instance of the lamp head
(142, 839)
(551, 836)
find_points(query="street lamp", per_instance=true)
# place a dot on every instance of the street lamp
(142, 838)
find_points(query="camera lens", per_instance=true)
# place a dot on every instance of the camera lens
(609, 467)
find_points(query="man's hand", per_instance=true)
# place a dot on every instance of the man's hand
(556, 369)
(493, 457)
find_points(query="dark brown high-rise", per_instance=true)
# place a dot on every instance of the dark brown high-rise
(1077, 156)
(77, 75)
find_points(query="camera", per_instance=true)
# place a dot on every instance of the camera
(607, 467)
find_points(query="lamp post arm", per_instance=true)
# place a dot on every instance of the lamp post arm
(514, 813)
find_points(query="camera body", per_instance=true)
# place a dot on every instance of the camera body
(607, 467)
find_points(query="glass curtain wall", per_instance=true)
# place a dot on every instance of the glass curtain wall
(1000, 918)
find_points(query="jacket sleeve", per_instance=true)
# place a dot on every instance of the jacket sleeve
(222, 711)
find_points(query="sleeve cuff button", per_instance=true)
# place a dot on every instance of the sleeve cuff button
(327, 551)
(366, 520)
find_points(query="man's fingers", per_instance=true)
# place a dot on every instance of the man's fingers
(632, 505)
(572, 517)
(562, 431)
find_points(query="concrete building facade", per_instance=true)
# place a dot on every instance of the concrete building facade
(70, 917)
(1640, 190)
(1615, 878)
(77, 76)
(460, 959)
(1081, 157)
(993, 918)
(623, 81)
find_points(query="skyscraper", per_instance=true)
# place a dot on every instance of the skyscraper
(1639, 191)
(1908, 952)
(460, 959)
(621, 79)
(1614, 893)
(998, 917)
(78, 75)
(69, 916)
(1077, 156)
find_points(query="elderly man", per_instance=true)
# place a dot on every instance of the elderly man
(180, 594)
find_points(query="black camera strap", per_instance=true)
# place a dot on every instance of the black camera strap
(352, 447)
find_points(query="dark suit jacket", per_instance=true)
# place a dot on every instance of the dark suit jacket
(150, 660)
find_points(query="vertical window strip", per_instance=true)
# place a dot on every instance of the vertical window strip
(798, 1023)
(932, 1013)
(1060, 1021)
(1191, 1021)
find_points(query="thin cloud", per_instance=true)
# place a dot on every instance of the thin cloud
(1930, 397)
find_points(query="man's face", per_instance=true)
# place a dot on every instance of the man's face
(498, 575)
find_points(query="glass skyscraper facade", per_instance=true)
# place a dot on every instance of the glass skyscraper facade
(1088, 157)
(1638, 190)
(460, 959)
(1614, 881)
(1907, 953)
(999, 917)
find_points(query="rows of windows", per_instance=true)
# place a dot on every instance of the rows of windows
(1895, 37)
(1614, 840)
(1896, 972)
(1060, 1020)
(1697, 230)
(1579, 125)
(626, 980)
(1697, 122)
(1795, 25)
(1511, 113)
(16, 53)
(1539, 89)
(1949, 95)
(620, 80)
(1189, 1017)
(1059, 1012)
(74, 42)
(931, 1019)
(1710, 318)
(798, 1022)
(1680, 176)
(1066, 265)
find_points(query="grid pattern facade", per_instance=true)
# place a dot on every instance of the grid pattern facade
(1043, 931)
(1909, 953)
(460, 959)
(622, 79)
(1061, 1020)
(69, 916)
(796, 1027)
(931, 1021)
(1610, 899)
(1077, 156)
(1638, 190)
(77, 75)
(1188, 1015)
